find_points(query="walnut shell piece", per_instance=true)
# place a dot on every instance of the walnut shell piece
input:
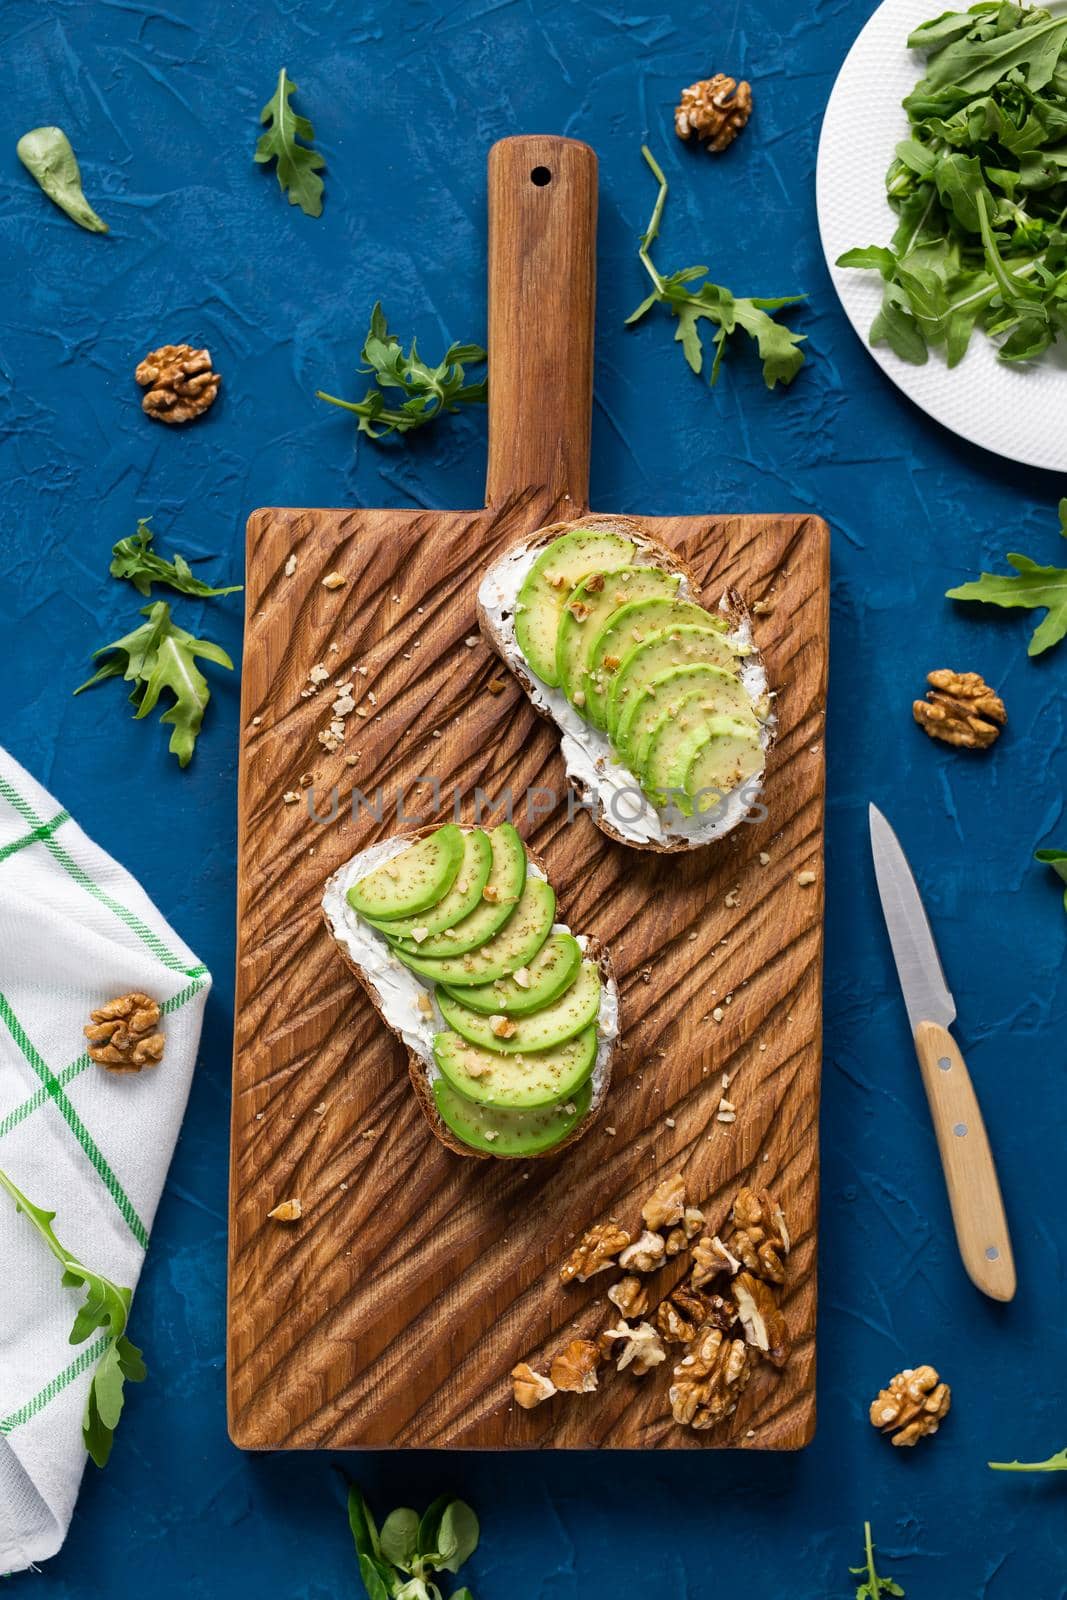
(595, 1252)
(124, 1034)
(960, 709)
(574, 1368)
(714, 111)
(914, 1404)
(179, 381)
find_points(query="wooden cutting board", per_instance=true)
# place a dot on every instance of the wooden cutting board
(391, 1313)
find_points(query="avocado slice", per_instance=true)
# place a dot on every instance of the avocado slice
(720, 690)
(669, 647)
(727, 759)
(504, 1131)
(547, 585)
(493, 1079)
(673, 753)
(552, 970)
(464, 895)
(412, 881)
(589, 608)
(496, 901)
(513, 947)
(541, 1030)
(627, 627)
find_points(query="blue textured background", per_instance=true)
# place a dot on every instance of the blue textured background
(161, 105)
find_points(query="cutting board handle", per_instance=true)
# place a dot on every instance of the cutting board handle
(542, 294)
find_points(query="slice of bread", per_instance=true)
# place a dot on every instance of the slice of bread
(608, 789)
(395, 992)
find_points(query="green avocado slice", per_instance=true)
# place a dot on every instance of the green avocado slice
(552, 970)
(412, 881)
(493, 1079)
(721, 691)
(726, 749)
(554, 1024)
(665, 648)
(505, 1131)
(546, 587)
(497, 899)
(590, 606)
(461, 899)
(627, 627)
(513, 947)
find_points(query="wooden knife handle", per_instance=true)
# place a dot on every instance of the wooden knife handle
(542, 294)
(973, 1190)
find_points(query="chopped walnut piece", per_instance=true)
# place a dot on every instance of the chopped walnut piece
(123, 1035)
(681, 1314)
(759, 1234)
(631, 1296)
(503, 1027)
(665, 1206)
(676, 1241)
(710, 1258)
(645, 1254)
(643, 1349)
(179, 382)
(574, 1368)
(595, 1252)
(530, 1387)
(287, 1211)
(961, 709)
(915, 1404)
(762, 1319)
(710, 1380)
(692, 1221)
(496, 686)
(715, 110)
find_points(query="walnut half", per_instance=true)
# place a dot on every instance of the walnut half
(124, 1034)
(960, 709)
(179, 382)
(914, 1404)
(714, 110)
(595, 1252)
(710, 1380)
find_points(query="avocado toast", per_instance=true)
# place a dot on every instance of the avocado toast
(663, 707)
(509, 1019)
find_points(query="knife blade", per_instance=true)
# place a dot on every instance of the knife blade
(966, 1158)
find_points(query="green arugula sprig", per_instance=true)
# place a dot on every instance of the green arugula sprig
(160, 656)
(395, 1564)
(1032, 588)
(107, 1306)
(1056, 1463)
(1057, 860)
(430, 390)
(298, 167)
(135, 560)
(778, 347)
(980, 188)
(872, 1586)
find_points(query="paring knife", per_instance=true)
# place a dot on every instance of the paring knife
(973, 1190)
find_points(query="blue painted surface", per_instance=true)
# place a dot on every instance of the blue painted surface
(161, 105)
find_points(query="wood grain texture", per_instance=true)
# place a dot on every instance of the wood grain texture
(393, 1311)
(970, 1173)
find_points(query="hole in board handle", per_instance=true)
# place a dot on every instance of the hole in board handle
(540, 176)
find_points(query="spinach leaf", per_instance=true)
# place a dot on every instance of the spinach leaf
(1057, 860)
(298, 167)
(47, 155)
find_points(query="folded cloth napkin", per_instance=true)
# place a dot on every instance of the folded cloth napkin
(93, 1146)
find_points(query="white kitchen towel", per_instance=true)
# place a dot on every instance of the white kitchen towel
(93, 1146)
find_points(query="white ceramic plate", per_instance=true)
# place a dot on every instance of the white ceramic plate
(1017, 411)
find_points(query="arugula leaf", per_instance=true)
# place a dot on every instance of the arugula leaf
(107, 1307)
(981, 190)
(298, 167)
(873, 1586)
(1056, 1463)
(1057, 860)
(778, 346)
(430, 390)
(133, 559)
(47, 155)
(1032, 588)
(160, 656)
